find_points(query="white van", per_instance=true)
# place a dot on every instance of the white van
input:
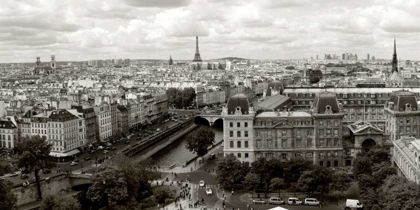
(294, 201)
(311, 202)
(351, 204)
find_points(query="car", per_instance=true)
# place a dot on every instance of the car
(87, 158)
(127, 142)
(107, 148)
(113, 148)
(258, 201)
(209, 191)
(158, 129)
(294, 201)
(92, 151)
(100, 147)
(108, 144)
(46, 171)
(276, 201)
(311, 202)
(74, 163)
(13, 174)
(202, 183)
(106, 151)
(24, 176)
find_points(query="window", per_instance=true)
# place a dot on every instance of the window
(231, 124)
(230, 133)
(270, 144)
(246, 134)
(246, 125)
(259, 144)
(283, 133)
(336, 142)
(246, 144)
(298, 133)
(246, 155)
(239, 155)
(321, 163)
(298, 142)
(238, 124)
(328, 163)
(284, 143)
(321, 142)
(408, 129)
(283, 156)
(321, 123)
(309, 143)
(328, 132)
(335, 132)
(238, 143)
(238, 134)
(321, 132)
(231, 144)
(328, 123)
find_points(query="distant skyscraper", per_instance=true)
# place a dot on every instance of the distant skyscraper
(197, 57)
(355, 56)
(368, 57)
(317, 57)
(343, 57)
(394, 58)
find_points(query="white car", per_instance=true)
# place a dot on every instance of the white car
(209, 192)
(100, 147)
(73, 163)
(202, 184)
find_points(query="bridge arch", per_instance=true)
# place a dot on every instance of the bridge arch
(216, 120)
(201, 121)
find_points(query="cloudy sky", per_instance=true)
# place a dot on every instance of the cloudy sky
(262, 29)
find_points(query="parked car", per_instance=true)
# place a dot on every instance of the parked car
(108, 144)
(311, 202)
(353, 204)
(100, 147)
(113, 148)
(87, 158)
(127, 142)
(13, 174)
(24, 176)
(46, 171)
(209, 191)
(258, 201)
(202, 183)
(106, 151)
(276, 201)
(73, 163)
(294, 201)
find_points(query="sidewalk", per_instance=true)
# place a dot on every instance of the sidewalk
(191, 166)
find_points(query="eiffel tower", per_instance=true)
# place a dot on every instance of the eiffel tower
(197, 57)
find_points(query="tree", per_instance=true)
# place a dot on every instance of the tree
(362, 165)
(109, 187)
(317, 179)
(7, 198)
(199, 140)
(251, 182)
(36, 156)
(277, 184)
(294, 168)
(229, 171)
(315, 76)
(260, 167)
(340, 182)
(53, 202)
(163, 194)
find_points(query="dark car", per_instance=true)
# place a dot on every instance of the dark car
(24, 176)
(87, 158)
(46, 171)
(113, 148)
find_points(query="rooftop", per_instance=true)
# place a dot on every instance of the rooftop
(284, 114)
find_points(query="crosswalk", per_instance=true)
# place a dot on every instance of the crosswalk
(211, 186)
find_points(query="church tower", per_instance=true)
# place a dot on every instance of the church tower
(394, 59)
(53, 64)
(197, 57)
(171, 63)
(38, 61)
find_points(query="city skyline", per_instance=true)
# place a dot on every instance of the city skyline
(81, 31)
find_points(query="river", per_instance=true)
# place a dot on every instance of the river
(178, 154)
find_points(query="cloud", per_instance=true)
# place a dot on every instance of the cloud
(158, 3)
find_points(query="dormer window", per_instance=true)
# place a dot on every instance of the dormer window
(408, 107)
(328, 109)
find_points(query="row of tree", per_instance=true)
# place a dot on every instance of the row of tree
(379, 185)
(180, 98)
(273, 174)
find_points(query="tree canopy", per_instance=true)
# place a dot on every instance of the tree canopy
(229, 171)
(7, 198)
(199, 140)
(180, 98)
(35, 156)
(54, 202)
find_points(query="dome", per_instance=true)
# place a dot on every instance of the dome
(275, 85)
(238, 102)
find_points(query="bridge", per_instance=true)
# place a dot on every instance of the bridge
(208, 119)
